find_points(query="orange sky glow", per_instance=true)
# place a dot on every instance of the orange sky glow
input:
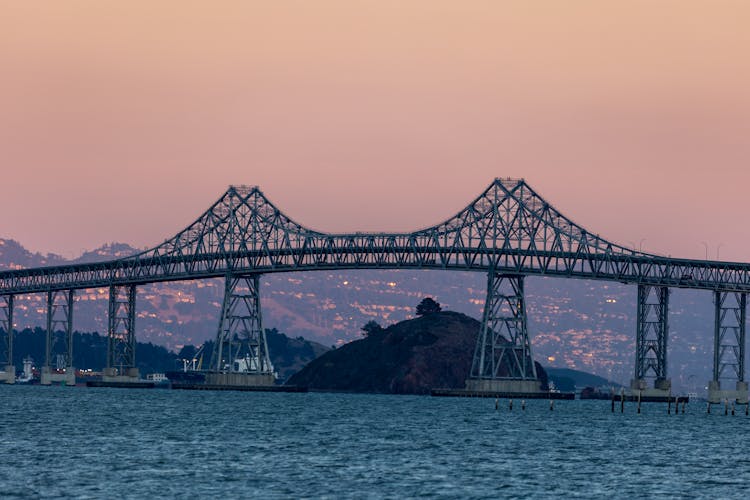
(123, 121)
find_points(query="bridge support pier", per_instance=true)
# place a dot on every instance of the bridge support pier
(502, 358)
(240, 356)
(8, 373)
(729, 348)
(121, 336)
(59, 339)
(652, 332)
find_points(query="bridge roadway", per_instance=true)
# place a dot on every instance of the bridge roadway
(509, 232)
(140, 270)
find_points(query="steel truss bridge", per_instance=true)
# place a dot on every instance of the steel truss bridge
(509, 232)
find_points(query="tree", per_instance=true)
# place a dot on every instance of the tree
(371, 327)
(187, 352)
(428, 306)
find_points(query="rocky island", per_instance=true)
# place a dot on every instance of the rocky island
(410, 357)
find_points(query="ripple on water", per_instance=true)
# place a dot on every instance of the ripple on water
(93, 443)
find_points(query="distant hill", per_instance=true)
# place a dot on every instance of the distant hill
(14, 256)
(108, 251)
(410, 357)
(290, 355)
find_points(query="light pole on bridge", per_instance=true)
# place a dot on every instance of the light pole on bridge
(640, 244)
(718, 249)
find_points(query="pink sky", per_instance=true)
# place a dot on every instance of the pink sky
(123, 121)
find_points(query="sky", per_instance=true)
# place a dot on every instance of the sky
(124, 121)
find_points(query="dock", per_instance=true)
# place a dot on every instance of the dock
(247, 388)
(464, 393)
(121, 384)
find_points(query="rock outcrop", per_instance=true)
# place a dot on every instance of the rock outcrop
(410, 357)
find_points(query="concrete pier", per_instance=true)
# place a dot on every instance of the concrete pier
(633, 398)
(8, 376)
(240, 379)
(66, 377)
(498, 388)
(717, 395)
(129, 380)
(660, 392)
(130, 376)
(466, 393)
(504, 386)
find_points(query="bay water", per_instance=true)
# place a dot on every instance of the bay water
(73, 442)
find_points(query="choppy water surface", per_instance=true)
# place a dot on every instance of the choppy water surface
(93, 443)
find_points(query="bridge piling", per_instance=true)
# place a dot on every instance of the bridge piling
(652, 332)
(730, 313)
(503, 361)
(240, 356)
(59, 320)
(8, 375)
(121, 370)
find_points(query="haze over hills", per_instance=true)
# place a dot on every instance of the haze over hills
(575, 324)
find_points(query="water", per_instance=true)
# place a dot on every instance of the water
(94, 443)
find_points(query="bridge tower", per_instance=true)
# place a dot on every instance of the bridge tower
(503, 362)
(8, 375)
(652, 332)
(240, 355)
(121, 366)
(58, 357)
(729, 348)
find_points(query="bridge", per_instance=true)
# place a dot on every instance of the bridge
(509, 232)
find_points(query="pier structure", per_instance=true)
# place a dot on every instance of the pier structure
(509, 232)
(7, 368)
(503, 362)
(730, 322)
(58, 358)
(240, 357)
(121, 369)
(652, 333)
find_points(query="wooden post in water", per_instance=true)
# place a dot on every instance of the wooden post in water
(551, 405)
(510, 405)
(523, 404)
(497, 403)
(613, 401)
(669, 405)
(639, 401)
(622, 400)
(684, 404)
(726, 406)
(732, 408)
(708, 407)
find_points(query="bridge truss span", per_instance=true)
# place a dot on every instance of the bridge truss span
(508, 228)
(508, 231)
